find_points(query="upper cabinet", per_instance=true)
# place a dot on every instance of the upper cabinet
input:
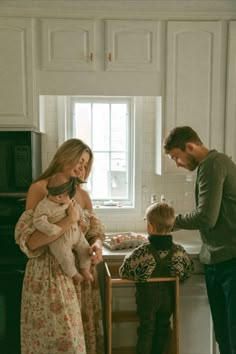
(195, 80)
(17, 84)
(68, 44)
(132, 45)
(101, 57)
(127, 45)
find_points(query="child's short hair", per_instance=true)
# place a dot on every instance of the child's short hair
(161, 215)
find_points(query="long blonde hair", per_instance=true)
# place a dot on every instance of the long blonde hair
(68, 154)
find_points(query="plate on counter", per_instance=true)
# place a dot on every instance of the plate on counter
(123, 240)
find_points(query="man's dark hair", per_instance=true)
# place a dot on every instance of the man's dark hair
(178, 137)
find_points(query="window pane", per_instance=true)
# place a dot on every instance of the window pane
(118, 162)
(118, 127)
(118, 176)
(118, 182)
(101, 127)
(105, 124)
(100, 176)
(83, 121)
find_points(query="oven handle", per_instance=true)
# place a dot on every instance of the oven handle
(12, 271)
(21, 271)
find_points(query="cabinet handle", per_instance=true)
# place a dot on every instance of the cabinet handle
(91, 57)
(109, 56)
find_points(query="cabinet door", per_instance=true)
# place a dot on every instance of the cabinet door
(17, 79)
(196, 329)
(67, 44)
(132, 45)
(124, 334)
(230, 131)
(195, 85)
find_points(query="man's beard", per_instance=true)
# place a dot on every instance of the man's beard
(191, 163)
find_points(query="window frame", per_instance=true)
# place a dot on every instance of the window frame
(129, 201)
(136, 109)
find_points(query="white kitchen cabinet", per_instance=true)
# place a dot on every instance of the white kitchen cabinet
(196, 329)
(68, 44)
(230, 129)
(195, 81)
(124, 334)
(132, 45)
(71, 45)
(17, 72)
(101, 57)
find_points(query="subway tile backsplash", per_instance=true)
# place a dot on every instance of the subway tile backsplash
(178, 189)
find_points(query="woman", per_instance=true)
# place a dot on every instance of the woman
(57, 314)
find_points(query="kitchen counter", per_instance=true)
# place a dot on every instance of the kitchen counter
(190, 240)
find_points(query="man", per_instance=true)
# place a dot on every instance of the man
(215, 218)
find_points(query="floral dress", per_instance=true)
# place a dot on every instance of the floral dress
(58, 316)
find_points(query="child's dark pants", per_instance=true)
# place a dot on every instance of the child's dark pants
(155, 305)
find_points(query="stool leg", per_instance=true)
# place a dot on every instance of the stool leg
(109, 318)
(108, 310)
(176, 316)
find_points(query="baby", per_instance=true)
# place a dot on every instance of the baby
(53, 208)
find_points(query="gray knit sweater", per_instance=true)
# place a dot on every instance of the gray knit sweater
(215, 213)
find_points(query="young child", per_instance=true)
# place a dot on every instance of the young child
(52, 209)
(159, 257)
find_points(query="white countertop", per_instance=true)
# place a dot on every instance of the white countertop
(190, 240)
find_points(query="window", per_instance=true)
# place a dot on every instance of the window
(107, 125)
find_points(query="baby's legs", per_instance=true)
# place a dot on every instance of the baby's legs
(86, 274)
(82, 248)
(83, 275)
(77, 278)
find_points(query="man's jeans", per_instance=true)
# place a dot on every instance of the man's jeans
(221, 289)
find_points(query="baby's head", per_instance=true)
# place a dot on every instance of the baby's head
(160, 218)
(61, 189)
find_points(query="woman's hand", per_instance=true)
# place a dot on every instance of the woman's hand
(96, 252)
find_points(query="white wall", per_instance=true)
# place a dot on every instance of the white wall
(174, 187)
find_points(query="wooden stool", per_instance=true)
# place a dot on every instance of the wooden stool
(112, 277)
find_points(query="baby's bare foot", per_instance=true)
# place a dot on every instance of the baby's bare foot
(86, 274)
(78, 278)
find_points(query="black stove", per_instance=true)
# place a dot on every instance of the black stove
(11, 207)
(12, 266)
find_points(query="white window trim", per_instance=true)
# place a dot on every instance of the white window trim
(62, 119)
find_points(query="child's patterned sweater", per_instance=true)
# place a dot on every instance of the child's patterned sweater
(140, 263)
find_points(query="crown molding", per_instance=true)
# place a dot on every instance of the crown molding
(114, 9)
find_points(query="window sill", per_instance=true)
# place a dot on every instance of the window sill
(117, 212)
(113, 207)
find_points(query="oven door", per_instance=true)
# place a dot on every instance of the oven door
(11, 279)
(12, 265)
